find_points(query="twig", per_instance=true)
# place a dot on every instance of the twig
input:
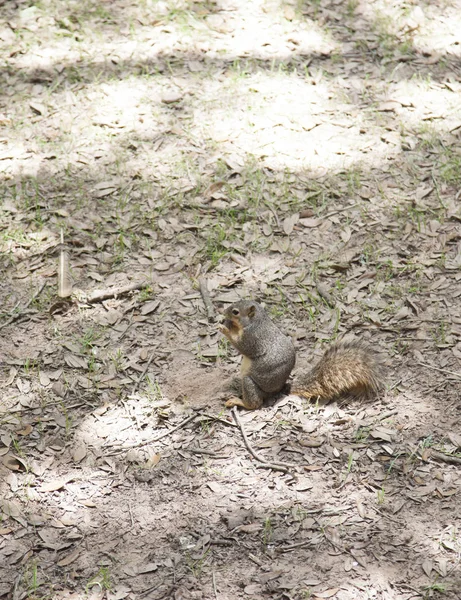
(447, 458)
(408, 587)
(441, 370)
(323, 293)
(121, 449)
(395, 385)
(210, 311)
(216, 418)
(205, 452)
(131, 514)
(284, 467)
(386, 415)
(153, 588)
(100, 295)
(143, 374)
(294, 546)
(272, 209)
(17, 581)
(256, 560)
(214, 585)
(339, 210)
(17, 315)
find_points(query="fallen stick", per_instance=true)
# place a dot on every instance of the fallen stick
(121, 449)
(100, 295)
(143, 374)
(18, 314)
(441, 370)
(284, 467)
(216, 418)
(294, 546)
(447, 458)
(210, 311)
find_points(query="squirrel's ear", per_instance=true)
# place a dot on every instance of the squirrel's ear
(252, 311)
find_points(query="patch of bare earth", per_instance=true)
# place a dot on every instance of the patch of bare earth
(303, 153)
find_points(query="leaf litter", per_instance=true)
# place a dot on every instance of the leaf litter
(304, 154)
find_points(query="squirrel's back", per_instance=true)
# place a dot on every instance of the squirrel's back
(348, 368)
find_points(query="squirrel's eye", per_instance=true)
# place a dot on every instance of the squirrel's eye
(235, 312)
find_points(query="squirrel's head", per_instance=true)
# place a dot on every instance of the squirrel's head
(242, 313)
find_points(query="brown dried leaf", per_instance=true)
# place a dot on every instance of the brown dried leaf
(13, 463)
(67, 560)
(152, 461)
(26, 430)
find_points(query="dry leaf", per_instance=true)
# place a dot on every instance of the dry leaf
(455, 439)
(44, 379)
(14, 463)
(289, 223)
(250, 528)
(149, 307)
(304, 484)
(56, 484)
(346, 234)
(147, 568)
(5, 531)
(214, 487)
(59, 389)
(38, 108)
(427, 566)
(79, 453)
(10, 508)
(12, 374)
(25, 431)
(67, 560)
(88, 503)
(152, 461)
(327, 593)
(289, 13)
(171, 97)
(311, 223)
(76, 362)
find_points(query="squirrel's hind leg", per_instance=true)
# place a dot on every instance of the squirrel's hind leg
(253, 395)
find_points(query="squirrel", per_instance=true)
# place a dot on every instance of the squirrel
(347, 368)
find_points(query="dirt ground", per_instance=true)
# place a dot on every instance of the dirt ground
(306, 154)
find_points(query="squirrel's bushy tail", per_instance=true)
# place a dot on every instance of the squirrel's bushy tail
(348, 368)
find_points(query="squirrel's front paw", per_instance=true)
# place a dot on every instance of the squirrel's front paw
(234, 401)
